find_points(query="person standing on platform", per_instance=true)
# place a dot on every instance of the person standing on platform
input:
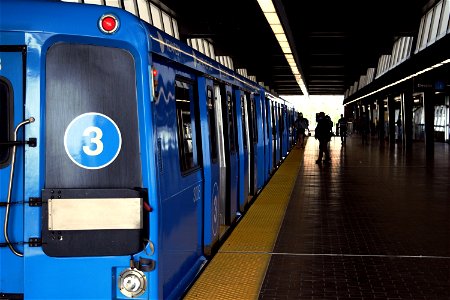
(302, 124)
(323, 134)
(343, 129)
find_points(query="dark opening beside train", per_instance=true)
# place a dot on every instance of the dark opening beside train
(125, 154)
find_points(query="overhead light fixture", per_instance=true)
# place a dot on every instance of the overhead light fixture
(284, 44)
(277, 28)
(281, 37)
(272, 18)
(286, 50)
(266, 6)
(274, 21)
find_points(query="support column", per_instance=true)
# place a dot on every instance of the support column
(407, 118)
(428, 107)
(381, 120)
(391, 120)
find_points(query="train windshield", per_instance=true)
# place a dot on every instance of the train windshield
(5, 106)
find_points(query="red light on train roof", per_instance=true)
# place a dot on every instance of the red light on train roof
(108, 23)
(154, 72)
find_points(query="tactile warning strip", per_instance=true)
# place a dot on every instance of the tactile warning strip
(238, 269)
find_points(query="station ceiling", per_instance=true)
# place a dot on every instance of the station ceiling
(334, 42)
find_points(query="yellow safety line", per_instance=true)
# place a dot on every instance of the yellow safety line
(238, 269)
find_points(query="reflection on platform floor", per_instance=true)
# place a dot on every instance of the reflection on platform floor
(373, 224)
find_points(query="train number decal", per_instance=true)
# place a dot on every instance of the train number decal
(92, 140)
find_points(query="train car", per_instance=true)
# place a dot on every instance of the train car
(125, 155)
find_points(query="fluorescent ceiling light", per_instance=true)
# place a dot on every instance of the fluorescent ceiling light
(277, 28)
(290, 60)
(272, 18)
(289, 56)
(286, 50)
(281, 37)
(274, 21)
(284, 44)
(266, 5)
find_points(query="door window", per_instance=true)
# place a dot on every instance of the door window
(185, 104)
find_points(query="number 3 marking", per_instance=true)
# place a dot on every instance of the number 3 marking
(94, 140)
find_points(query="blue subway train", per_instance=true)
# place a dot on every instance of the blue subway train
(125, 155)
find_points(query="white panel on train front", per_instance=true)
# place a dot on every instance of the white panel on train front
(95, 214)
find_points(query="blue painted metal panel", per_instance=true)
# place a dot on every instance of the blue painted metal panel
(11, 266)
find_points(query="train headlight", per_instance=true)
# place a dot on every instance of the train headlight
(132, 283)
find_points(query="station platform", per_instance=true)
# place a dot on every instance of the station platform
(372, 224)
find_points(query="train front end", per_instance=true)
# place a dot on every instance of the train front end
(76, 162)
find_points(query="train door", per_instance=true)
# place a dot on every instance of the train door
(180, 172)
(283, 129)
(259, 98)
(274, 135)
(232, 153)
(253, 144)
(267, 145)
(268, 136)
(279, 132)
(12, 162)
(243, 150)
(229, 158)
(211, 162)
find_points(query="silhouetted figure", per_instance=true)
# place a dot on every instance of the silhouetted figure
(302, 124)
(323, 134)
(342, 123)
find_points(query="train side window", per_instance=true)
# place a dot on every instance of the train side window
(281, 119)
(266, 116)
(185, 106)
(253, 121)
(273, 119)
(231, 123)
(6, 98)
(212, 124)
